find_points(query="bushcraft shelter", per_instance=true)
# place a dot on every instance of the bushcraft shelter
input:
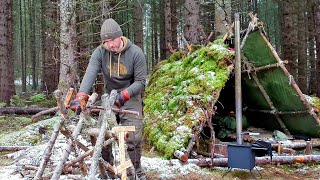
(186, 92)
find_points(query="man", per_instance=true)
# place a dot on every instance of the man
(124, 69)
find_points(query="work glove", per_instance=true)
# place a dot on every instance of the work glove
(121, 98)
(75, 104)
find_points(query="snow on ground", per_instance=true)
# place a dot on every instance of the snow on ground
(33, 155)
(167, 168)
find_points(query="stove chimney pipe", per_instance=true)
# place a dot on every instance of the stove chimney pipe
(238, 93)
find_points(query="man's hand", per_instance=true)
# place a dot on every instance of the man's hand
(121, 98)
(75, 104)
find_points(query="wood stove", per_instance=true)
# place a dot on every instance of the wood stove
(241, 156)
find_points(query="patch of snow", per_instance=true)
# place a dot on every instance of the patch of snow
(167, 168)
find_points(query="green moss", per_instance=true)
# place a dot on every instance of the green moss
(23, 120)
(37, 98)
(3, 104)
(176, 56)
(178, 90)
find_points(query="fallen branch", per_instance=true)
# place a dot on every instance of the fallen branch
(47, 153)
(72, 141)
(21, 111)
(107, 113)
(13, 148)
(51, 111)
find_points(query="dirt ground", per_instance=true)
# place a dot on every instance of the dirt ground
(282, 172)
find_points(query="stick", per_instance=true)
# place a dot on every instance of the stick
(67, 150)
(83, 116)
(47, 152)
(44, 112)
(98, 108)
(106, 114)
(13, 148)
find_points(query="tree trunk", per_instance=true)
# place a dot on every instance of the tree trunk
(162, 29)
(302, 48)
(23, 45)
(7, 88)
(138, 23)
(174, 24)
(207, 18)
(222, 16)
(289, 48)
(50, 63)
(192, 21)
(317, 30)
(68, 65)
(168, 26)
(104, 10)
(32, 22)
(311, 49)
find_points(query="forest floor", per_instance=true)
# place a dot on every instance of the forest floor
(279, 172)
(166, 170)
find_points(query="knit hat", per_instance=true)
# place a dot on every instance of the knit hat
(110, 29)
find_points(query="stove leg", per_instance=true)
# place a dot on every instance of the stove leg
(229, 169)
(258, 171)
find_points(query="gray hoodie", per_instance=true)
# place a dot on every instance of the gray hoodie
(128, 70)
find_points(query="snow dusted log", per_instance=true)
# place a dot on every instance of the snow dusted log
(13, 148)
(78, 159)
(67, 150)
(73, 139)
(107, 102)
(89, 152)
(298, 145)
(223, 162)
(47, 153)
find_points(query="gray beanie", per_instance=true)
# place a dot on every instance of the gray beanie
(110, 29)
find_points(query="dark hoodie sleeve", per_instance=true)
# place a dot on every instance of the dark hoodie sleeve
(91, 71)
(140, 74)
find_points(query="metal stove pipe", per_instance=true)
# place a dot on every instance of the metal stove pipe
(238, 93)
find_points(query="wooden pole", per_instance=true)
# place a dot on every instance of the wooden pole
(72, 141)
(47, 152)
(67, 150)
(270, 103)
(293, 83)
(107, 102)
(269, 66)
